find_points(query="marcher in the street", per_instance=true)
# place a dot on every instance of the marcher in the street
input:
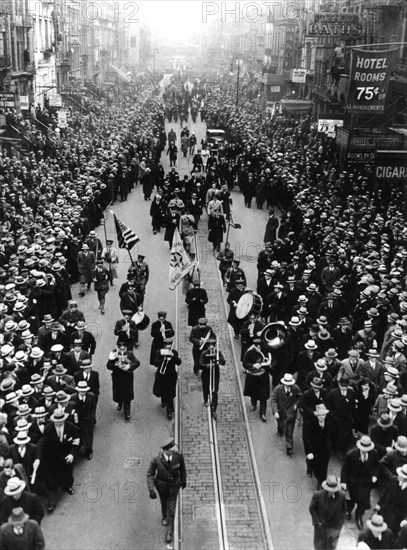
(167, 361)
(257, 384)
(209, 361)
(328, 510)
(86, 265)
(376, 535)
(126, 330)
(392, 504)
(17, 495)
(84, 405)
(110, 257)
(225, 258)
(196, 298)
(123, 363)
(199, 336)
(21, 533)
(284, 405)
(233, 299)
(102, 279)
(341, 402)
(317, 439)
(167, 475)
(160, 330)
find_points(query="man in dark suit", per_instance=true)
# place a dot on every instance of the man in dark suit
(15, 496)
(91, 377)
(24, 452)
(60, 380)
(86, 262)
(341, 402)
(59, 357)
(284, 404)
(328, 510)
(86, 337)
(316, 395)
(83, 403)
(126, 330)
(376, 534)
(199, 337)
(329, 276)
(359, 472)
(77, 355)
(317, 439)
(393, 503)
(56, 448)
(131, 300)
(277, 304)
(20, 528)
(55, 337)
(167, 474)
(306, 362)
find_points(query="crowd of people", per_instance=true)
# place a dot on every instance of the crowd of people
(326, 340)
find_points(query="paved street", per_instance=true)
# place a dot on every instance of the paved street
(111, 508)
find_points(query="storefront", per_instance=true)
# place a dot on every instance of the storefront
(391, 169)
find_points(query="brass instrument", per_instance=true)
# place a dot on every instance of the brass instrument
(122, 360)
(205, 340)
(251, 330)
(273, 336)
(164, 363)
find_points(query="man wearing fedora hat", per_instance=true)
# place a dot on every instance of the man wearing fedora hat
(376, 535)
(21, 532)
(167, 474)
(85, 336)
(284, 405)
(277, 304)
(86, 262)
(84, 405)
(342, 335)
(90, 376)
(15, 495)
(317, 440)
(384, 434)
(60, 380)
(55, 337)
(394, 458)
(22, 451)
(350, 365)
(328, 510)
(56, 450)
(77, 354)
(70, 317)
(360, 471)
(306, 362)
(392, 503)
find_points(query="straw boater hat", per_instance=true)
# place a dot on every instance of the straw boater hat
(365, 444)
(331, 484)
(287, 379)
(401, 443)
(311, 345)
(384, 421)
(59, 415)
(377, 523)
(14, 486)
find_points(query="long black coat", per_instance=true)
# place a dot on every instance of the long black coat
(158, 341)
(328, 515)
(196, 298)
(318, 441)
(123, 381)
(358, 475)
(256, 386)
(234, 297)
(165, 380)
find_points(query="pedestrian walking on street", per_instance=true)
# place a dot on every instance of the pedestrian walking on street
(123, 363)
(376, 535)
(328, 510)
(86, 265)
(196, 298)
(284, 404)
(102, 279)
(167, 475)
(160, 330)
(317, 439)
(199, 336)
(84, 404)
(209, 362)
(167, 361)
(359, 473)
(21, 532)
(172, 151)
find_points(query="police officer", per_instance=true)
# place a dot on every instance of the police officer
(167, 474)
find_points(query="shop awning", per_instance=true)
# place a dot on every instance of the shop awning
(296, 106)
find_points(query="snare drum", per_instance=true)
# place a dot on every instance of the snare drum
(249, 303)
(141, 319)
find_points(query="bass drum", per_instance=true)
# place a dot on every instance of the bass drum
(249, 303)
(141, 319)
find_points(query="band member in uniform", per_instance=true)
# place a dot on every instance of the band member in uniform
(199, 337)
(257, 383)
(111, 259)
(209, 363)
(234, 296)
(123, 363)
(141, 275)
(160, 330)
(126, 330)
(102, 277)
(167, 474)
(251, 327)
(167, 360)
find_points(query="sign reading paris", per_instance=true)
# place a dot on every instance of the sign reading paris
(335, 24)
(369, 80)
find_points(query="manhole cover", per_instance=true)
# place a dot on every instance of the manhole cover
(131, 462)
(204, 512)
(236, 511)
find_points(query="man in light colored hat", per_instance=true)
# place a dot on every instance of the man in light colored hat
(372, 368)
(84, 405)
(56, 450)
(392, 503)
(317, 439)
(167, 475)
(328, 511)
(376, 534)
(360, 471)
(284, 405)
(91, 377)
(86, 262)
(394, 458)
(20, 529)
(85, 336)
(306, 361)
(16, 496)
(320, 371)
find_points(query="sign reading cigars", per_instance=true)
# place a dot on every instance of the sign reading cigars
(369, 80)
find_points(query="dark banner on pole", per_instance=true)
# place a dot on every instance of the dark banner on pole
(369, 80)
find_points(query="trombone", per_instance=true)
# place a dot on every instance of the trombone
(164, 363)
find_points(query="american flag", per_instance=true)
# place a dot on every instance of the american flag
(126, 238)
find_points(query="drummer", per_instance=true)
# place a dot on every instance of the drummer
(251, 328)
(233, 299)
(257, 383)
(233, 274)
(130, 299)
